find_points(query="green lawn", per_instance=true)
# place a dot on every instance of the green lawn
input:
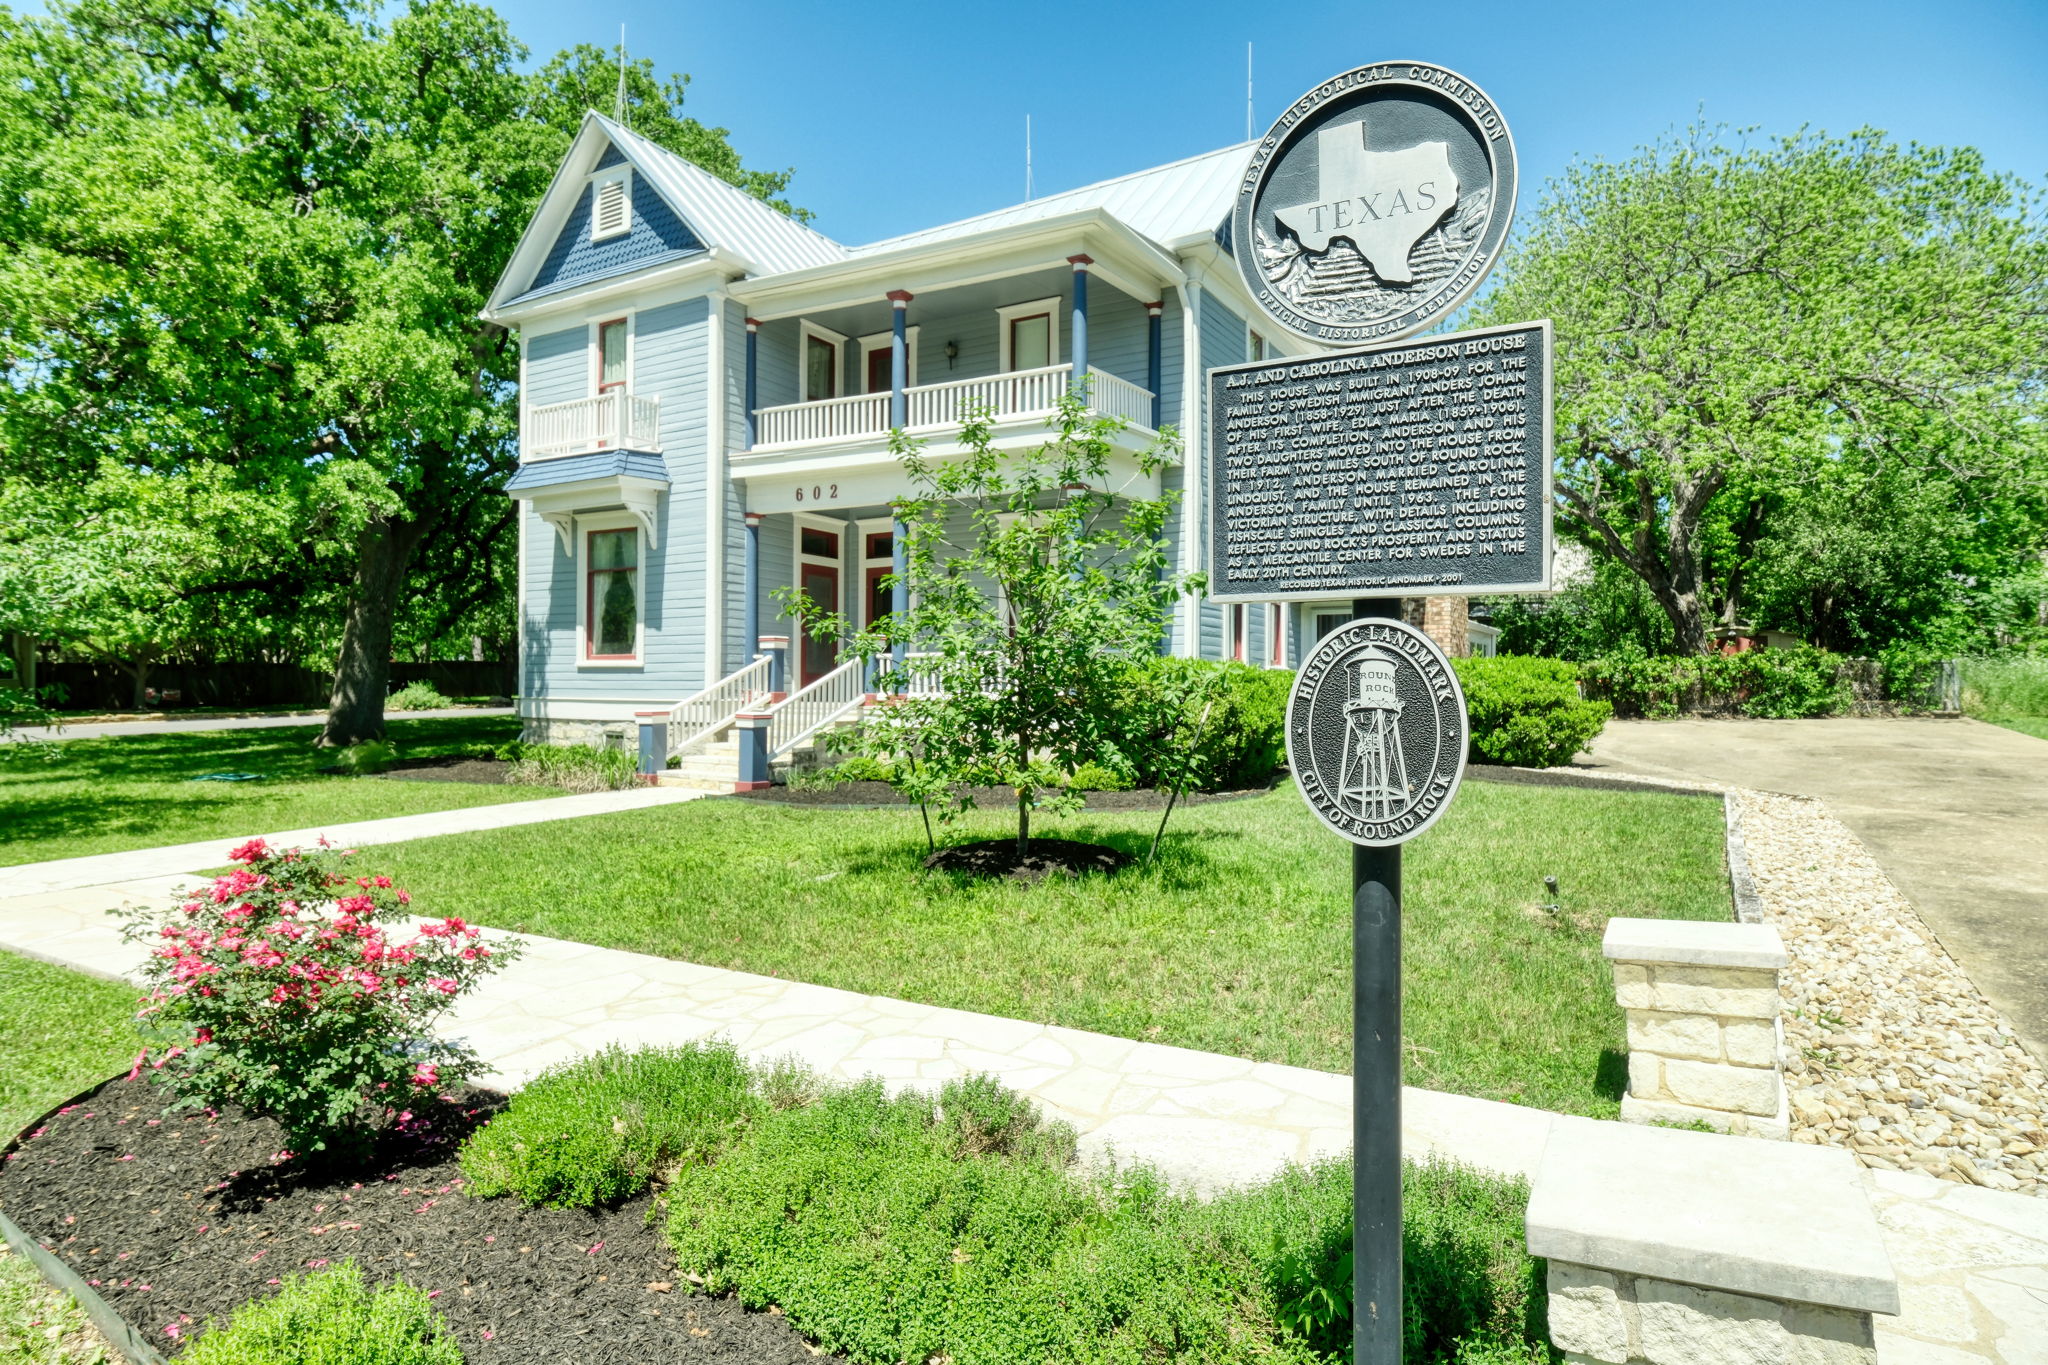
(2037, 726)
(1239, 942)
(69, 798)
(60, 1032)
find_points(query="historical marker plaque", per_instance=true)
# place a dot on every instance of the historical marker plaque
(1376, 731)
(1415, 469)
(1376, 204)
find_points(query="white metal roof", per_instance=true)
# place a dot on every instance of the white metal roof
(1168, 204)
(724, 215)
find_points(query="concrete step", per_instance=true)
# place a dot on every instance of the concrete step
(693, 782)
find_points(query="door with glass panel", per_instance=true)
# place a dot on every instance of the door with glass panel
(817, 578)
(611, 373)
(1031, 342)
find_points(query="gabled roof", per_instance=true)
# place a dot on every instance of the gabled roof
(766, 239)
(756, 238)
(1170, 204)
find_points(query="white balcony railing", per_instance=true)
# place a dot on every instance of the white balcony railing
(1021, 393)
(610, 421)
(863, 414)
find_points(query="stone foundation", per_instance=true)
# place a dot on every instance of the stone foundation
(1619, 1319)
(598, 734)
(1703, 1031)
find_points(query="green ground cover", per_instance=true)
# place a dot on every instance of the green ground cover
(1237, 942)
(69, 798)
(2011, 692)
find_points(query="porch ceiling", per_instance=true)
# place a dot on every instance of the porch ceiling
(982, 296)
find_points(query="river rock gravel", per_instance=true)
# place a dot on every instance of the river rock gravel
(1890, 1051)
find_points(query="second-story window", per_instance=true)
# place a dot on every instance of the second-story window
(1031, 341)
(1254, 346)
(821, 369)
(611, 355)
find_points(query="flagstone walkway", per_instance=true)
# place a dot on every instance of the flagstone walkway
(1972, 1263)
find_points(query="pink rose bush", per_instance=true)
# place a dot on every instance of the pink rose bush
(305, 994)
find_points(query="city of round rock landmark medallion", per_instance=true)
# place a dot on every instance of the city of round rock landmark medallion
(1376, 731)
(1376, 204)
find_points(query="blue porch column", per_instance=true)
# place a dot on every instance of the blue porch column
(1153, 372)
(899, 359)
(753, 401)
(1081, 264)
(750, 647)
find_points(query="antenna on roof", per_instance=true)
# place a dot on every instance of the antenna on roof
(1249, 134)
(619, 100)
(1027, 156)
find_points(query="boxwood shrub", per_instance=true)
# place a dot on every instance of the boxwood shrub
(327, 1317)
(1527, 712)
(1159, 711)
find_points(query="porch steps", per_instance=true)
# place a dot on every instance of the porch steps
(713, 766)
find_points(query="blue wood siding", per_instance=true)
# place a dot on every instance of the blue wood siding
(557, 366)
(735, 648)
(1223, 343)
(655, 232)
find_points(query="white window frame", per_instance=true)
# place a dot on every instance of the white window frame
(623, 175)
(586, 526)
(876, 341)
(863, 562)
(1009, 312)
(1265, 346)
(805, 331)
(594, 345)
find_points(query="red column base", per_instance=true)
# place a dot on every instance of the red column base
(750, 786)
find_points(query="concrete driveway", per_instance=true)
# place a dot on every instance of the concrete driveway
(1956, 811)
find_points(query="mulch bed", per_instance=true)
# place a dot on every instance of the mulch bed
(452, 768)
(176, 1219)
(1041, 858)
(987, 798)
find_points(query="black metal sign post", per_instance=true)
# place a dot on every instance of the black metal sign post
(1376, 1084)
(1371, 211)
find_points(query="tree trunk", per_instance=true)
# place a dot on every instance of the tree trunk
(1023, 822)
(362, 673)
(25, 661)
(139, 671)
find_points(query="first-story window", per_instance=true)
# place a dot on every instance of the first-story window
(1236, 642)
(612, 608)
(1276, 634)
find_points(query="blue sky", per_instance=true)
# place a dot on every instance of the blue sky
(898, 116)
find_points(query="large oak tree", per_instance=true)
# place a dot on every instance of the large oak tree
(256, 236)
(1801, 375)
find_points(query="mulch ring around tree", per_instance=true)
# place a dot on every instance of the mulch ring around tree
(986, 798)
(451, 768)
(178, 1218)
(1039, 859)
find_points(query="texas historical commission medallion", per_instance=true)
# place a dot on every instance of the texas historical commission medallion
(1376, 731)
(1376, 204)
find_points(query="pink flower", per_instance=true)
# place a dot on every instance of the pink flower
(404, 898)
(380, 881)
(203, 1036)
(252, 852)
(140, 1058)
(447, 985)
(426, 1074)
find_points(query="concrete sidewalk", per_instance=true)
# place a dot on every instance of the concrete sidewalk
(1955, 811)
(102, 729)
(102, 869)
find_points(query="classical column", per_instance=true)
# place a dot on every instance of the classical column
(1080, 264)
(1153, 368)
(750, 644)
(899, 359)
(753, 401)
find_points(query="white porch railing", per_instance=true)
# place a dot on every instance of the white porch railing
(695, 719)
(802, 714)
(607, 422)
(924, 683)
(1022, 393)
(863, 414)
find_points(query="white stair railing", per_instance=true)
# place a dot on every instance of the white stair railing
(695, 719)
(802, 714)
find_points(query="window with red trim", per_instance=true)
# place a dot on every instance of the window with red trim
(1237, 641)
(611, 355)
(611, 613)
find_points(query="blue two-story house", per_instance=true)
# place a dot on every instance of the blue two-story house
(708, 387)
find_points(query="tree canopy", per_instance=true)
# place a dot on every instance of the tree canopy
(247, 243)
(1799, 382)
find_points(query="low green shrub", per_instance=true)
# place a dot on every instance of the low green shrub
(599, 1129)
(1157, 728)
(1527, 712)
(1798, 681)
(1096, 777)
(856, 769)
(574, 767)
(419, 695)
(328, 1317)
(366, 757)
(2004, 689)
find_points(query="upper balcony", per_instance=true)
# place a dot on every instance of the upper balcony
(616, 420)
(930, 408)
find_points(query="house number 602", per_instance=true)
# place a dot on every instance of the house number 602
(820, 492)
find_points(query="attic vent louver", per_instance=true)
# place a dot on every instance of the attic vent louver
(612, 213)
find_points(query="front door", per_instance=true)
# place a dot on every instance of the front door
(881, 367)
(820, 583)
